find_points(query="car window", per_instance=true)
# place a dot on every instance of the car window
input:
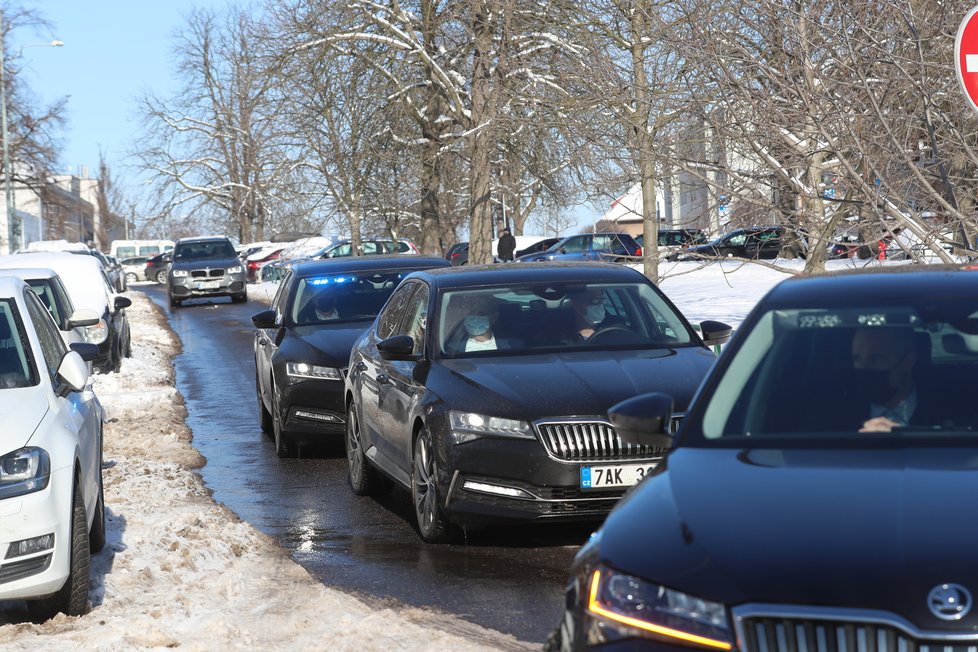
(601, 243)
(529, 318)
(204, 250)
(281, 295)
(15, 367)
(792, 361)
(390, 318)
(52, 346)
(373, 247)
(575, 244)
(403, 248)
(415, 321)
(352, 297)
(45, 292)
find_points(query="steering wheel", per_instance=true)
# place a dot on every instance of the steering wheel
(608, 329)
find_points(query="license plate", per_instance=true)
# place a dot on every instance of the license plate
(618, 475)
(208, 285)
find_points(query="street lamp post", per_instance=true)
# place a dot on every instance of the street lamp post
(13, 230)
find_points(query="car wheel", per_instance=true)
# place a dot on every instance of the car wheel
(432, 525)
(96, 535)
(174, 303)
(264, 416)
(131, 278)
(72, 598)
(239, 298)
(115, 363)
(364, 479)
(282, 448)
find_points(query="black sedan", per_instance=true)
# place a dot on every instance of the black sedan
(762, 242)
(820, 495)
(484, 390)
(303, 341)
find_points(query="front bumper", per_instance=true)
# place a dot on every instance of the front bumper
(185, 287)
(313, 410)
(33, 515)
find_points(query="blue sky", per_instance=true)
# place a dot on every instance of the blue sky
(114, 51)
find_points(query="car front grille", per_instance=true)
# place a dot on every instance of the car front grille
(767, 634)
(592, 441)
(205, 273)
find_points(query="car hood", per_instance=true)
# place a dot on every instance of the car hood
(568, 384)
(327, 345)
(872, 529)
(201, 263)
(22, 411)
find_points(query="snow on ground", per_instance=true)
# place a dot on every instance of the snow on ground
(179, 570)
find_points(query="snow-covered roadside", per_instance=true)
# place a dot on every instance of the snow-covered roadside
(180, 570)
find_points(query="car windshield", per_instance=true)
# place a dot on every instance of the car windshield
(14, 367)
(823, 373)
(201, 250)
(549, 317)
(343, 297)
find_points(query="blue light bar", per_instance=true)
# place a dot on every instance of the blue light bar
(326, 280)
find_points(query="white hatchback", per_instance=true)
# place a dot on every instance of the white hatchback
(52, 511)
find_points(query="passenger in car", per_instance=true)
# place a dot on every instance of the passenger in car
(478, 325)
(883, 361)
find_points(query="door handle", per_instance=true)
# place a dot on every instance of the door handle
(383, 379)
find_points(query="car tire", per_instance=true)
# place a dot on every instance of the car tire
(96, 535)
(131, 278)
(264, 416)
(174, 303)
(282, 447)
(364, 479)
(432, 525)
(72, 598)
(239, 298)
(115, 361)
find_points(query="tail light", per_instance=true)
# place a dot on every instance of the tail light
(253, 264)
(455, 255)
(638, 251)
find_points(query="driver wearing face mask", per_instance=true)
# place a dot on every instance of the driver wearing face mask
(589, 313)
(883, 360)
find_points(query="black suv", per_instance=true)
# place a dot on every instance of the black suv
(205, 267)
(763, 242)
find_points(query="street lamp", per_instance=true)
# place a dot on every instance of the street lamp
(12, 226)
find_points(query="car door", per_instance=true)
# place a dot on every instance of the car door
(79, 411)
(575, 248)
(371, 381)
(266, 344)
(402, 391)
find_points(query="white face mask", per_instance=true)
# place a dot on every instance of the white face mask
(476, 325)
(595, 312)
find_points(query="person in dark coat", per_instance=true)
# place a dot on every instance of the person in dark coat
(506, 246)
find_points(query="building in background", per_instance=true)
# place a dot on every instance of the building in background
(55, 207)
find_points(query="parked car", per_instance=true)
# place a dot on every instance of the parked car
(73, 324)
(134, 269)
(458, 254)
(255, 261)
(367, 247)
(673, 241)
(600, 247)
(785, 516)
(302, 349)
(155, 269)
(751, 243)
(513, 427)
(51, 499)
(89, 288)
(536, 247)
(205, 267)
(113, 270)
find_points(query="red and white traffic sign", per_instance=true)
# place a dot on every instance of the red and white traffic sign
(966, 57)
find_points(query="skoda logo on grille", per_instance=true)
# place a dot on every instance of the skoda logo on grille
(949, 601)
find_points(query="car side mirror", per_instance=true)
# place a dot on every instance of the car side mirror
(83, 317)
(399, 347)
(644, 420)
(120, 303)
(86, 350)
(715, 332)
(264, 319)
(73, 371)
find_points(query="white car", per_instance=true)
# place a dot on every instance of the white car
(73, 323)
(52, 512)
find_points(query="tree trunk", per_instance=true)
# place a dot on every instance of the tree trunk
(480, 209)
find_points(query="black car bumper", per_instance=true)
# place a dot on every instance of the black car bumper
(502, 480)
(313, 410)
(194, 289)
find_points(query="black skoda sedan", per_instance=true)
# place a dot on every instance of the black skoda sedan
(303, 341)
(821, 493)
(484, 390)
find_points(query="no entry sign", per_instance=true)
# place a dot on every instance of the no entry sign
(966, 57)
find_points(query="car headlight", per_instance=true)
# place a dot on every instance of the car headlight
(237, 269)
(296, 370)
(623, 606)
(467, 426)
(178, 273)
(95, 334)
(24, 471)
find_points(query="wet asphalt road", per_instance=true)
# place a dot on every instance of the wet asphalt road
(507, 579)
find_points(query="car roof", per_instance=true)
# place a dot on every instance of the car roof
(367, 263)
(10, 286)
(516, 273)
(31, 273)
(876, 286)
(203, 238)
